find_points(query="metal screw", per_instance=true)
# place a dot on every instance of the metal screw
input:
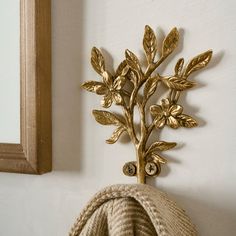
(129, 169)
(151, 168)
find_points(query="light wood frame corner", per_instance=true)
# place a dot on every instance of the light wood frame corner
(34, 153)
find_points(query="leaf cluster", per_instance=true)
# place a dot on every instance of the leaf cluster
(113, 90)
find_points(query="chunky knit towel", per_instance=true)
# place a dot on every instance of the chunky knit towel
(132, 210)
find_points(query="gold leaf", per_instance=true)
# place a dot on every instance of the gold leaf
(170, 42)
(91, 86)
(122, 69)
(132, 60)
(97, 61)
(133, 77)
(119, 82)
(179, 66)
(177, 83)
(116, 134)
(158, 158)
(106, 118)
(150, 87)
(149, 44)
(186, 121)
(107, 79)
(161, 146)
(198, 62)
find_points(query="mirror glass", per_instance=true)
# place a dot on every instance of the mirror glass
(10, 71)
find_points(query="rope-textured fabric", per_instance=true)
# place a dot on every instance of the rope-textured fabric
(127, 210)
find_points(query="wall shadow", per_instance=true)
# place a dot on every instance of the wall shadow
(67, 51)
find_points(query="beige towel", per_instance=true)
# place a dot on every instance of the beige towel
(127, 210)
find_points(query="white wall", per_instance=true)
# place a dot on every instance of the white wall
(201, 173)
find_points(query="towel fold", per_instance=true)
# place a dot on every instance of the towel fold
(132, 210)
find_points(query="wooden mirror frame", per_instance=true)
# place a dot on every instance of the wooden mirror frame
(34, 153)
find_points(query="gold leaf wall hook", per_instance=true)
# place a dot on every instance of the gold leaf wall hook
(167, 112)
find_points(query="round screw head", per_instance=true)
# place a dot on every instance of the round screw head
(151, 168)
(129, 169)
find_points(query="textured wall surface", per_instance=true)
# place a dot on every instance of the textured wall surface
(201, 172)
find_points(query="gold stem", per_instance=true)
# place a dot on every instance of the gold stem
(130, 125)
(141, 175)
(152, 67)
(145, 133)
(141, 147)
(177, 94)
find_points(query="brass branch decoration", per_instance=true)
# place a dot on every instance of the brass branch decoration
(132, 85)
